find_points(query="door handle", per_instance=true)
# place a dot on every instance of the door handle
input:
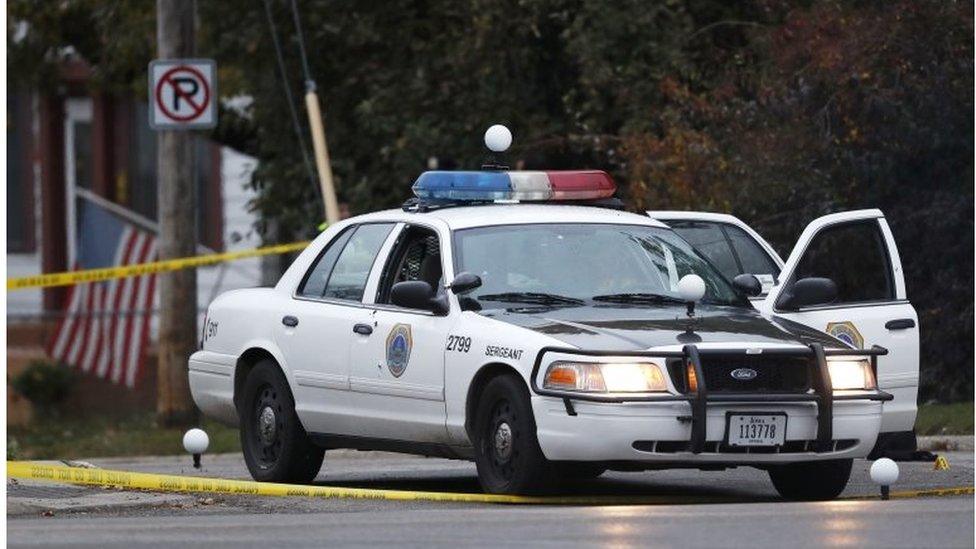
(900, 324)
(290, 321)
(363, 329)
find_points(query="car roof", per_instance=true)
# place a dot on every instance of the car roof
(486, 215)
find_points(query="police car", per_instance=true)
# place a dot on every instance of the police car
(523, 321)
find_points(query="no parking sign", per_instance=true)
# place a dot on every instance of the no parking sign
(182, 94)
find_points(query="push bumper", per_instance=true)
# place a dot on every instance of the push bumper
(691, 427)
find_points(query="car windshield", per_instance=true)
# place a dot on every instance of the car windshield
(565, 264)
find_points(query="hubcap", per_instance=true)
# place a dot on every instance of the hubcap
(503, 441)
(267, 425)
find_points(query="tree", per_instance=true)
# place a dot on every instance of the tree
(774, 110)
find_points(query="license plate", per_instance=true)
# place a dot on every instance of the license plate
(757, 429)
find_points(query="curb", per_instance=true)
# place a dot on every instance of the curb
(946, 443)
(101, 502)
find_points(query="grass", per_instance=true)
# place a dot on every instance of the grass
(99, 436)
(945, 419)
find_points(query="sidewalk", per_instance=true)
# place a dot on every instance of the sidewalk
(29, 497)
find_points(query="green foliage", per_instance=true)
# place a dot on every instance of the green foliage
(945, 419)
(104, 436)
(45, 384)
(774, 110)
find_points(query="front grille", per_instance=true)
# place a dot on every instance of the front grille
(716, 447)
(773, 373)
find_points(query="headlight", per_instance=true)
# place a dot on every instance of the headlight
(851, 374)
(610, 377)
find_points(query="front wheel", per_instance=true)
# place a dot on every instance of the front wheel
(811, 481)
(276, 446)
(507, 451)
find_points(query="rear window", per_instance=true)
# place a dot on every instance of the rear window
(341, 270)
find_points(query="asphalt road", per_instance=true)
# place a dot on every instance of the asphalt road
(756, 519)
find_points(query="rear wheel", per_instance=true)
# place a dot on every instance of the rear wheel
(507, 451)
(276, 446)
(811, 481)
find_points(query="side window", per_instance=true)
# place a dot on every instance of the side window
(855, 257)
(348, 277)
(709, 239)
(417, 256)
(752, 256)
(314, 283)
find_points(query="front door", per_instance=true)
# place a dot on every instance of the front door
(857, 251)
(397, 355)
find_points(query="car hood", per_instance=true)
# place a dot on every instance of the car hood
(630, 328)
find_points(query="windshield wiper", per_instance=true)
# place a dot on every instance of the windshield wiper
(536, 298)
(639, 298)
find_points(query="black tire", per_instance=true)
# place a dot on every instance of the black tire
(518, 467)
(276, 446)
(811, 481)
(579, 470)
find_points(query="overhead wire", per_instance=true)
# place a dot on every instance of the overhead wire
(291, 99)
(309, 81)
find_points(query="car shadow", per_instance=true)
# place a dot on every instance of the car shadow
(614, 486)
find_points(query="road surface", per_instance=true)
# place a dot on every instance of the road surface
(755, 519)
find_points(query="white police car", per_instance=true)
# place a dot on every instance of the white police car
(551, 338)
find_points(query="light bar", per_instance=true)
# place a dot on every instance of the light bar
(523, 186)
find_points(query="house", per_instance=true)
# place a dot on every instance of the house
(77, 143)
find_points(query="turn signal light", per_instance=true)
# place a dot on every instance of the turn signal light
(692, 378)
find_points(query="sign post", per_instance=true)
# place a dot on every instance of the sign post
(182, 96)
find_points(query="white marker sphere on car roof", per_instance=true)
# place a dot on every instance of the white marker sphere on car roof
(498, 138)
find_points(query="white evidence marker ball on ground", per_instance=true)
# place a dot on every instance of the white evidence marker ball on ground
(884, 471)
(196, 441)
(498, 138)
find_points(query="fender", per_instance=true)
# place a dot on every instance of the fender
(268, 345)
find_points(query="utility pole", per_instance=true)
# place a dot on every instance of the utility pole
(177, 207)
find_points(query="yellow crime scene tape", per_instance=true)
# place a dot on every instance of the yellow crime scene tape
(176, 483)
(97, 275)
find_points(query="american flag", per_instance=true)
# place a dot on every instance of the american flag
(105, 329)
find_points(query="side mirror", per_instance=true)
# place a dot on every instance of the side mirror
(748, 284)
(808, 291)
(465, 282)
(417, 294)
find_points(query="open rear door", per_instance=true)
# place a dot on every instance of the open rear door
(857, 251)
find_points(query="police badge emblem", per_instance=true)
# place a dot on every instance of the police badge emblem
(398, 345)
(846, 332)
